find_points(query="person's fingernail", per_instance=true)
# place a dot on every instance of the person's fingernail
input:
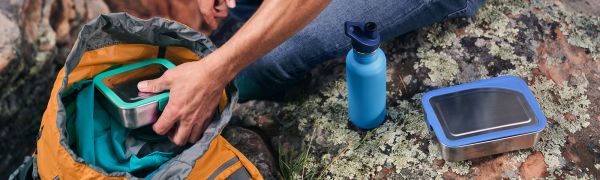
(231, 3)
(142, 86)
(221, 8)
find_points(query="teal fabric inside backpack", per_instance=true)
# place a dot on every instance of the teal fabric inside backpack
(101, 141)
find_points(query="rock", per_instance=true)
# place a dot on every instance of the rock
(62, 12)
(534, 167)
(36, 36)
(246, 115)
(94, 8)
(590, 7)
(550, 45)
(9, 41)
(500, 167)
(254, 148)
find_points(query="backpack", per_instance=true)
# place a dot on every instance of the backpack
(117, 39)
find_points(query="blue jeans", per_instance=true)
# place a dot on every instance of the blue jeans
(323, 39)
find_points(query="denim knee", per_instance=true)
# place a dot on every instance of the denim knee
(467, 8)
(323, 39)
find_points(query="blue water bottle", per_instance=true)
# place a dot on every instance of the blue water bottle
(365, 74)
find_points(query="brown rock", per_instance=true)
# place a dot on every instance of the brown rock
(8, 40)
(571, 156)
(95, 8)
(68, 15)
(570, 116)
(386, 172)
(62, 12)
(254, 148)
(257, 114)
(439, 162)
(571, 140)
(495, 168)
(533, 167)
(32, 11)
(36, 36)
(577, 61)
(590, 7)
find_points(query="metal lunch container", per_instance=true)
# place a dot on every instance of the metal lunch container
(482, 118)
(119, 94)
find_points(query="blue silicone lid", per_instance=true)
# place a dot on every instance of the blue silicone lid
(482, 111)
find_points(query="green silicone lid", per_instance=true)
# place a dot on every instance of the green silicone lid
(100, 82)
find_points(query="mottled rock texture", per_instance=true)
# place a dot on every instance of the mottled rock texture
(35, 36)
(553, 45)
(251, 143)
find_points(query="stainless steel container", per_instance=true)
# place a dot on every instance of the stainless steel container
(119, 95)
(483, 118)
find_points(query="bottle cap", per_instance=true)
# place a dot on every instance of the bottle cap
(365, 37)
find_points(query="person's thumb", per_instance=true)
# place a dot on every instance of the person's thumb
(153, 86)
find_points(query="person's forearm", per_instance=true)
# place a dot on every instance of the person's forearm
(273, 23)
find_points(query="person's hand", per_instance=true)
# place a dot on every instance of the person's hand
(195, 92)
(214, 10)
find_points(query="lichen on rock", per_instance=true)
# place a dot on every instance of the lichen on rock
(566, 107)
(398, 144)
(441, 36)
(505, 51)
(492, 20)
(582, 31)
(442, 68)
(506, 37)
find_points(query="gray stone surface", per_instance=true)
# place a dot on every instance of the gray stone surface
(550, 44)
(36, 36)
(553, 45)
(251, 144)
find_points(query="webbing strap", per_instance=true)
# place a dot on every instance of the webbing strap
(240, 174)
(222, 168)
